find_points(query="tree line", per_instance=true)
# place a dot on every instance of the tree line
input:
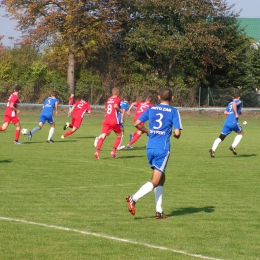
(136, 45)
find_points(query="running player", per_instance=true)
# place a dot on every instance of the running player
(10, 114)
(49, 105)
(161, 118)
(77, 111)
(111, 123)
(233, 111)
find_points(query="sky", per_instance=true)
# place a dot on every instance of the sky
(250, 9)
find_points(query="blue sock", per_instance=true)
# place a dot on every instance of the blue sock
(36, 129)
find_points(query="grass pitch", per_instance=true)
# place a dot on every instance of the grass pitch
(59, 202)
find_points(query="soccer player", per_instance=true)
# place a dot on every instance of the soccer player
(161, 118)
(140, 108)
(233, 110)
(111, 123)
(49, 105)
(77, 111)
(10, 114)
(124, 106)
(71, 101)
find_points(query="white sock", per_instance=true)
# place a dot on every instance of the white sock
(216, 143)
(237, 140)
(51, 132)
(158, 192)
(145, 189)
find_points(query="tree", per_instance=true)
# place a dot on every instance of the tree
(73, 24)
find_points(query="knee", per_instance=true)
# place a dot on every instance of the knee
(222, 137)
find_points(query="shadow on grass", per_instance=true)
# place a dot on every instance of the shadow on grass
(6, 161)
(247, 155)
(185, 211)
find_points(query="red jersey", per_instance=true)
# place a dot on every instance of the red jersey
(80, 108)
(140, 108)
(111, 115)
(12, 99)
(71, 101)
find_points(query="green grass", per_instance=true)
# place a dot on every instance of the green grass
(58, 202)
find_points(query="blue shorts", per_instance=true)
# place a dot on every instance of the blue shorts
(46, 117)
(158, 159)
(229, 127)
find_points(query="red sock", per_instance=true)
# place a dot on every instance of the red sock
(68, 133)
(70, 126)
(1, 129)
(116, 143)
(16, 135)
(135, 138)
(100, 143)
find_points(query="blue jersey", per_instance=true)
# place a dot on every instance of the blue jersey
(231, 118)
(49, 105)
(124, 105)
(161, 118)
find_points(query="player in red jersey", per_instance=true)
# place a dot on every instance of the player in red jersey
(140, 108)
(71, 101)
(111, 123)
(77, 111)
(11, 112)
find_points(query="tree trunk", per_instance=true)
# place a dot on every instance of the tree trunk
(71, 72)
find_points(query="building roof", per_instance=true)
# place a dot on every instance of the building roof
(252, 27)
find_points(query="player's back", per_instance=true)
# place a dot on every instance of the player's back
(111, 112)
(231, 118)
(80, 108)
(161, 118)
(49, 105)
(140, 108)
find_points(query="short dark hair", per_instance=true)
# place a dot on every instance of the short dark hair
(166, 94)
(17, 88)
(127, 98)
(236, 95)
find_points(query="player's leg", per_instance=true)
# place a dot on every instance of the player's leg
(238, 137)
(70, 132)
(4, 126)
(16, 122)
(116, 143)
(51, 132)
(42, 121)
(105, 131)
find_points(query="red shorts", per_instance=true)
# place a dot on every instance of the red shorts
(14, 119)
(76, 121)
(107, 128)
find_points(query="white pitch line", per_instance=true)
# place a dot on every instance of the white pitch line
(110, 237)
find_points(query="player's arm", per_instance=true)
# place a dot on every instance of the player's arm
(72, 108)
(56, 108)
(234, 106)
(117, 108)
(131, 106)
(138, 125)
(14, 108)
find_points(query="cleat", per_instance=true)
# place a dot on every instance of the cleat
(96, 155)
(62, 137)
(114, 155)
(16, 142)
(131, 204)
(29, 135)
(160, 215)
(121, 147)
(50, 141)
(129, 146)
(131, 137)
(66, 126)
(96, 141)
(211, 153)
(233, 150)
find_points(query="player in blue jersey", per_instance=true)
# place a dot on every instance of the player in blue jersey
(162, 118)
(49, 105)
(124, 105)
(233, 111)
